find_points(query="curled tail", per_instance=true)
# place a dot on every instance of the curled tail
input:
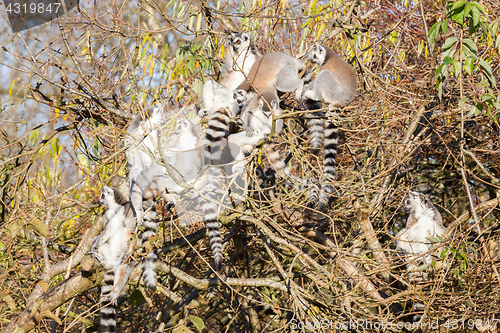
(149, 263)
(329, 169)
(107, 313)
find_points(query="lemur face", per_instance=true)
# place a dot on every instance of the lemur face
(107, 195)
(240, 96)
(239, 42)
(415, 200)
(182, 125)
(156, 117)
(318, 54)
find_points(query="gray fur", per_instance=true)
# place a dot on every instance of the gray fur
(336, 82)
(424, 221)
(336, 85)
(257, 125)
(240, 57)
(110, 248)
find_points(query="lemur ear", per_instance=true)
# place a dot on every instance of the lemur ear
(261, 103)
(274, 105)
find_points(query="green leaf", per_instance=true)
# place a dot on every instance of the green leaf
(34, 137)
(433, 32)
(433, 239)
(476, 15)
(488, 98)
(469, 65)
(470, 48)
(198, 322)
(494, 26)
(481, 9)
(485, 29)
(486, 68)
(458, 17)
(447, 48)
(444, 27)
(439, 69)
(447, 61)
(457, 4)
(462, 101)
(468, 7)
(456, 67)
(440, 90)
(448, 43)
(472, 111)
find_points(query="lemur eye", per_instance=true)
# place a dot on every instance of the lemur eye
(407, 202)
(238, 42)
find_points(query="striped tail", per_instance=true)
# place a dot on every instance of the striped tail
(218, 128)
(149, 270)
(150, 224)
(316, 126)
(209, 206)
(107, 314)
(149, 263)
(216, 131)
(329, 170)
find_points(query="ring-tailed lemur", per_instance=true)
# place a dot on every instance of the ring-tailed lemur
(110, 248)
(240, 57)
(424, 221)
(335, 84)
(186, 170)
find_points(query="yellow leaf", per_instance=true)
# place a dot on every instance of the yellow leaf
(10, 302)
(14, 229)
(53, 316)
(11, 87)
(40, 226)
(44, 285)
